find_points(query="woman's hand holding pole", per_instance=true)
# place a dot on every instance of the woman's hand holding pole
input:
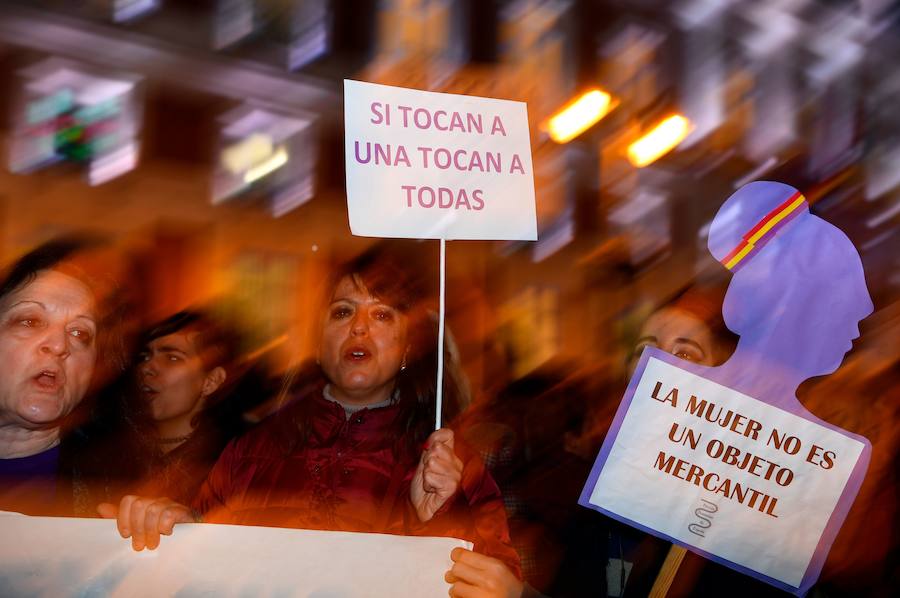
(437, 476)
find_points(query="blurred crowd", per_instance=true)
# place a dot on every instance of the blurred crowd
(193, 344)
(177, 421)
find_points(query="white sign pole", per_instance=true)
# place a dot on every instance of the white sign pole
(440, 359)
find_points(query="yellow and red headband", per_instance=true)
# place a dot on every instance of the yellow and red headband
(764, 230)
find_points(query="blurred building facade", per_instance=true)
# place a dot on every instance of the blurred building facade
(209, 133)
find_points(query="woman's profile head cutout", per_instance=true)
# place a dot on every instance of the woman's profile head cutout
(797, 292)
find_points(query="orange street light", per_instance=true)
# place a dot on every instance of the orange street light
(659, 141)
(579, 115)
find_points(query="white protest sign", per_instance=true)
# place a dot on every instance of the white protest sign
(63, 557)
(729, 475)
(436, 165)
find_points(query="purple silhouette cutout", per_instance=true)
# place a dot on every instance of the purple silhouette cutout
(796, 298)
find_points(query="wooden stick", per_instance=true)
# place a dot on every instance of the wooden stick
(667, 572)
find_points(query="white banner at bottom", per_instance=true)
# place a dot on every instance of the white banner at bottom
(56, 556)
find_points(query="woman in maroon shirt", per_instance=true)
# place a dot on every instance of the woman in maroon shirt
(347, 454)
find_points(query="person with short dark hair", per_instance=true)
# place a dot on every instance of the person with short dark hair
(178, 413)
(185, 367)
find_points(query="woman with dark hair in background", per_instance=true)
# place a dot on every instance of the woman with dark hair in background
(566, 546)
(348, 454)
(690, 327)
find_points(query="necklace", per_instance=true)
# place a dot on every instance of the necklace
(173, 440)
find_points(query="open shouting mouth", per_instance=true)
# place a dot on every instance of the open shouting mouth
(49, 379)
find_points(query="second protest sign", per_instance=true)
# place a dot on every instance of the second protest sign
(733, 478)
